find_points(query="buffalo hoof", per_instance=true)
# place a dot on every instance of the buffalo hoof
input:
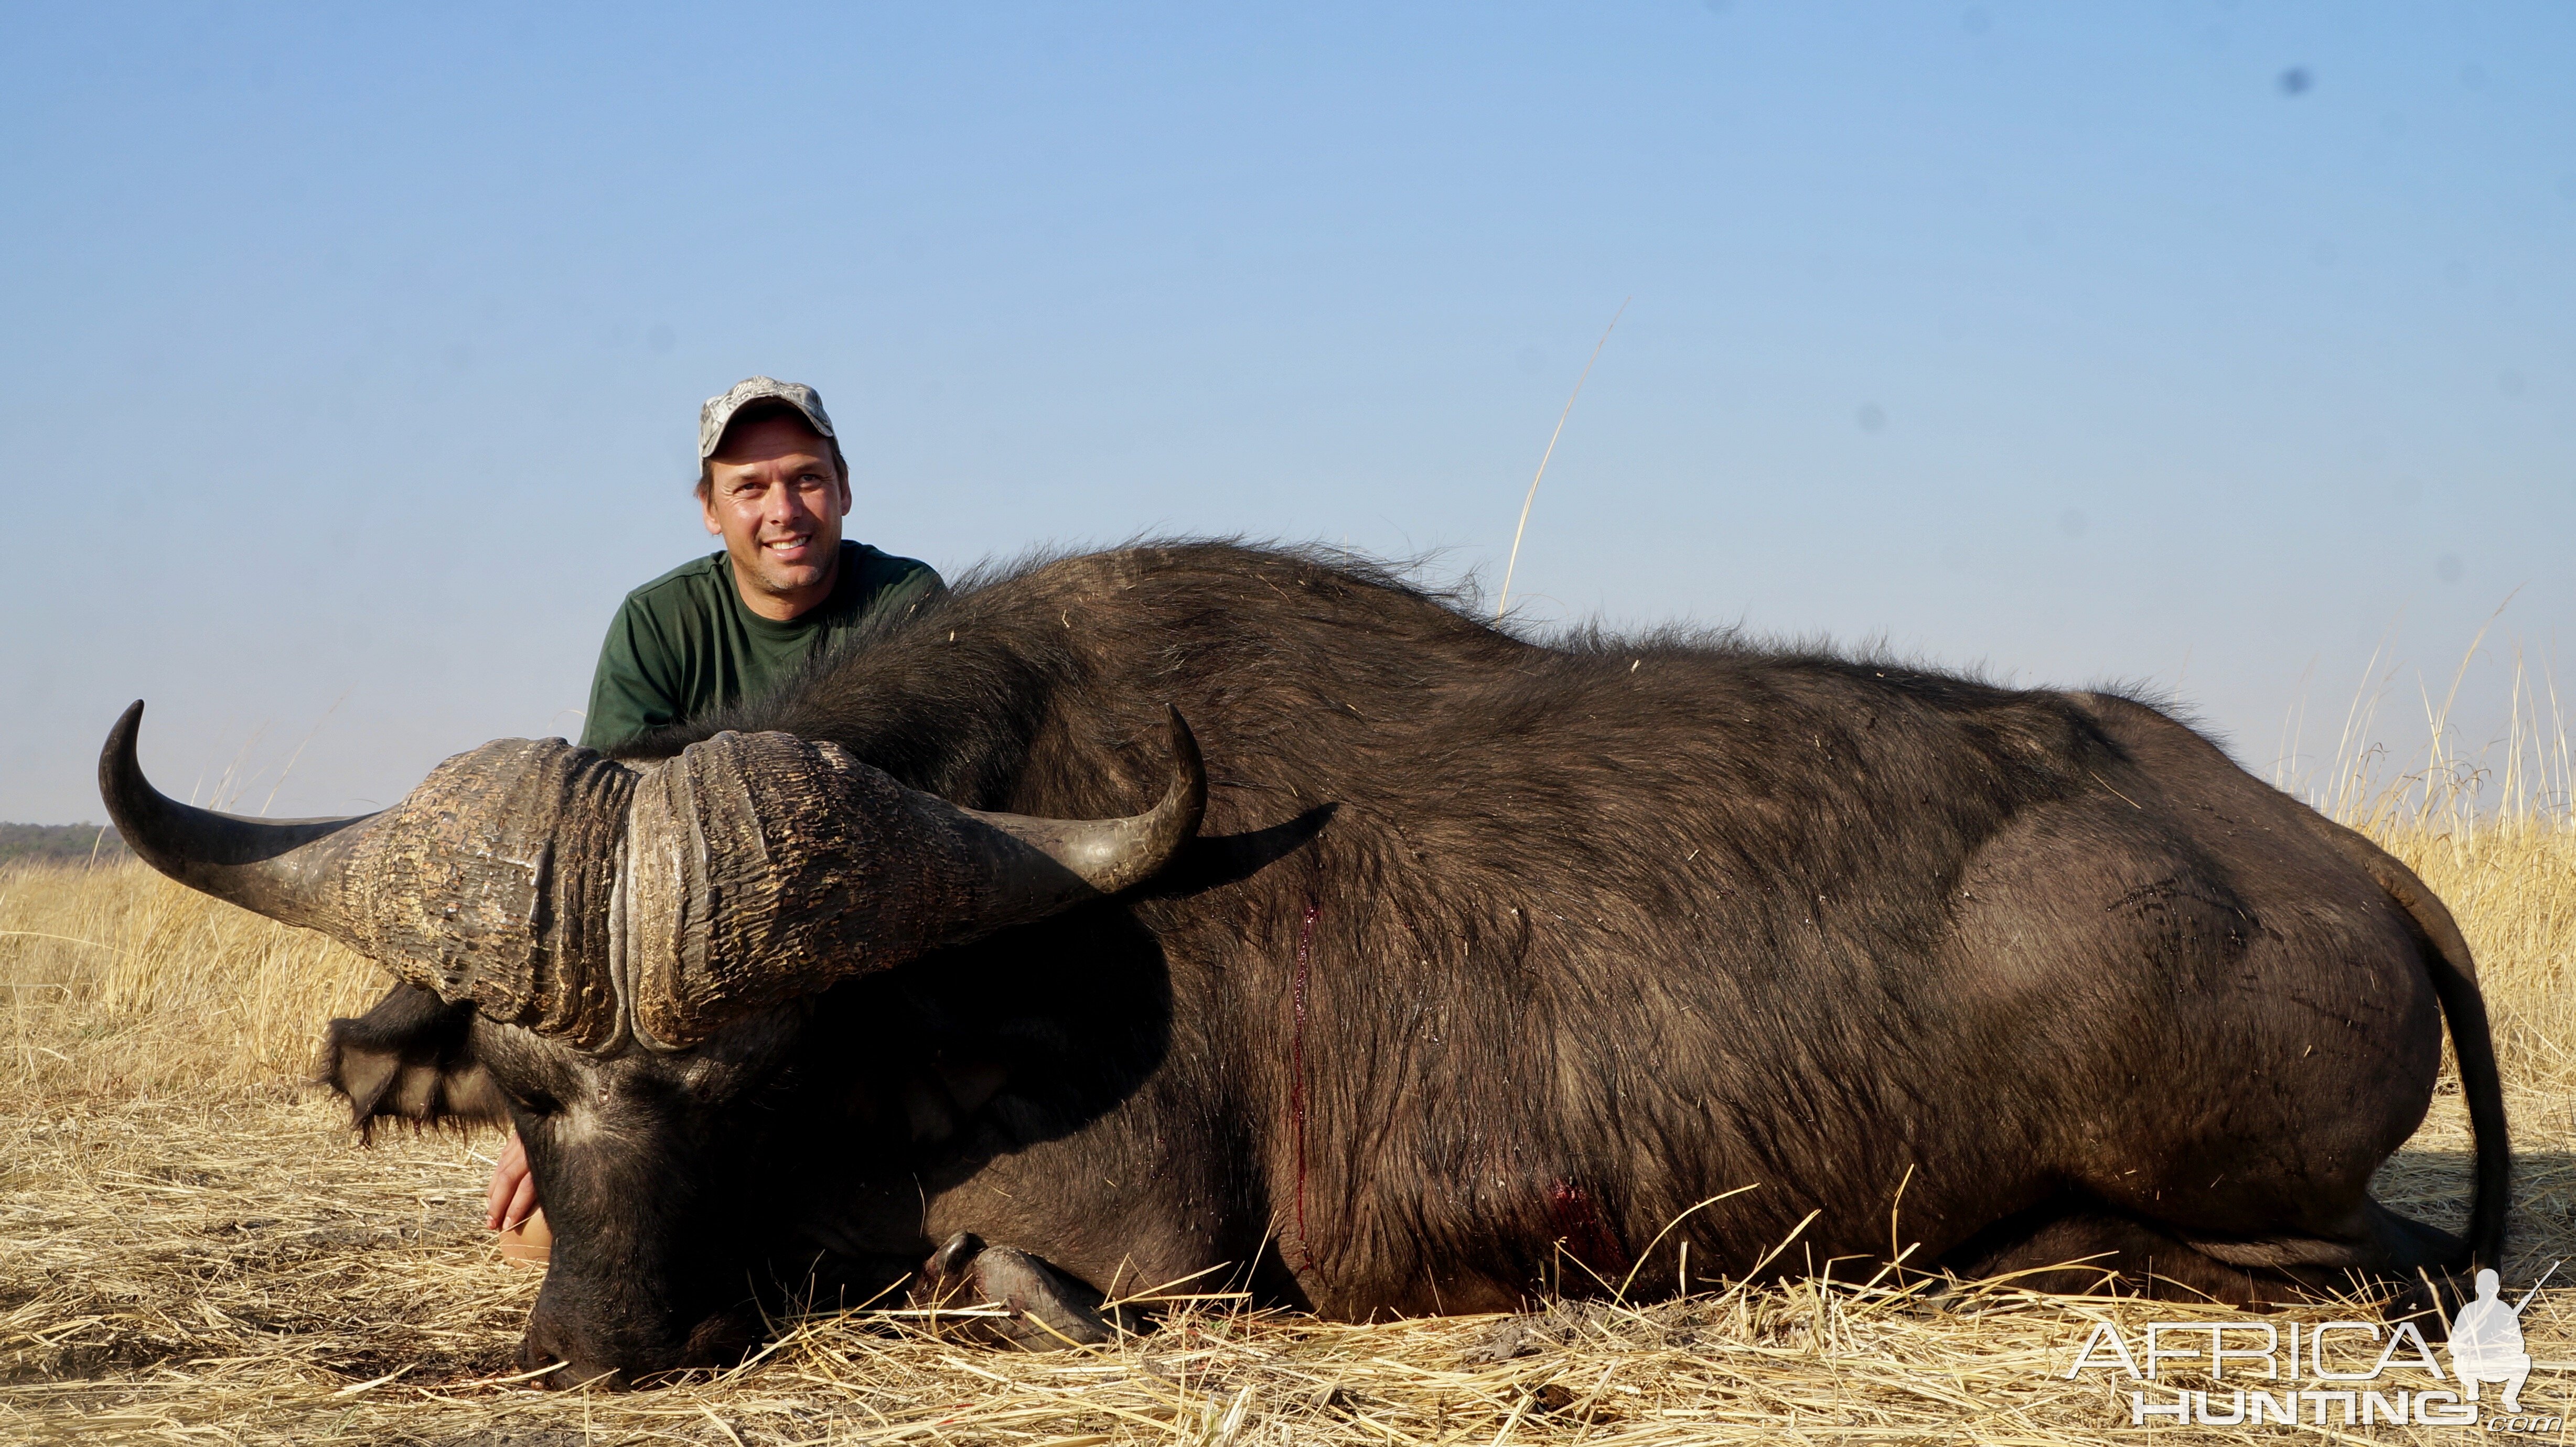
(2428, 1300)
(1048, 1311)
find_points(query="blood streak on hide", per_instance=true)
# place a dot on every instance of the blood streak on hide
(1586, 1237)
(1297, 1074)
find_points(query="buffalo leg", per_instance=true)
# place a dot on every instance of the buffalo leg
(1048, 1309)
(2084, 1252)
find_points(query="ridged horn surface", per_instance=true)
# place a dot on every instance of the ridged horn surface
(762, 867)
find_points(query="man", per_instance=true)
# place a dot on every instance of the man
(733, 625)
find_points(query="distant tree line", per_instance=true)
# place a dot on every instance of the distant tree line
(59, 844)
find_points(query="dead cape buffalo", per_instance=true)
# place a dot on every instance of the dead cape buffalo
(1465, 967)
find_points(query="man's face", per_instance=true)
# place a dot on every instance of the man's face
(776, 500)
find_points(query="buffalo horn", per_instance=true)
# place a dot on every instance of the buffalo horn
(597, 903)
(1101, 856)
(762, 867)
(488, 883)
(288, 869)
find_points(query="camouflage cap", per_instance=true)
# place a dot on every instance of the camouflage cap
(718, 412)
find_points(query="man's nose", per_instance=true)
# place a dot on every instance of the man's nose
(787, 504)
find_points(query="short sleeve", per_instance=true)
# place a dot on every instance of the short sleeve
(920, 585)
(630, 692)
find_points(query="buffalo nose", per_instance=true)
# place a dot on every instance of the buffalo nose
(570, 1369)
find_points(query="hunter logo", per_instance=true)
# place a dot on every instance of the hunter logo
(2345, 1362)
(2486, 1343)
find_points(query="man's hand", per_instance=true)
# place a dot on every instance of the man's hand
(514, 1189)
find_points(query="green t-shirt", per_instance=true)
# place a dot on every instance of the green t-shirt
(685, 644)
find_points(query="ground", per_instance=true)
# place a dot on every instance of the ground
(192, 1247)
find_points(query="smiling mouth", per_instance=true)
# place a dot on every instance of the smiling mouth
(788, 545)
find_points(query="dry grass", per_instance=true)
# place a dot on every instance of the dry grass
(192, 1248)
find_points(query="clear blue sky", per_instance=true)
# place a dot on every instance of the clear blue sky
(350, 357)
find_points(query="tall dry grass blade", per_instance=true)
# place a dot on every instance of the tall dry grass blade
(289, 766)
(1523, 525)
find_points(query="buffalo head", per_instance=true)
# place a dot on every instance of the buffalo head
(618, 959)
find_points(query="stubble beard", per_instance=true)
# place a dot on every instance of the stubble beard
(785, 580)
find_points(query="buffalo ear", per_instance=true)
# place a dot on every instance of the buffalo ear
(411, 1059)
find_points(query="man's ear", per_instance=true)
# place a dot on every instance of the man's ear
(411, 1058)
